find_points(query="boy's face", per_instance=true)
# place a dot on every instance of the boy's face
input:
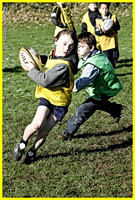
(64, 45)
(92, 6)
(83, 49)
(103, 10)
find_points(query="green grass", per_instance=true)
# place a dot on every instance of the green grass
(98, 161)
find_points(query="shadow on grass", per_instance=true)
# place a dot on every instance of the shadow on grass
(125, 74)
(87, 135)
(124, 63)
(124, 144)
(15, 69)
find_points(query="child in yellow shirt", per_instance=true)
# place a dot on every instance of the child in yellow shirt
(108, 40)
(54, 88)
(88, 21)
(61, 18)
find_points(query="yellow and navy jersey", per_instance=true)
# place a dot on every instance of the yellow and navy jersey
(56, 82)
(107, 40)
(61, 17)
(88, 24)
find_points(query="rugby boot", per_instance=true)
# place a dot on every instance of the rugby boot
(18, 151)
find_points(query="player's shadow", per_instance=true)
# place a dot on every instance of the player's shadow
(124, 63)
(87, 135)
(130, 73)
(15, 69)
(123, 144)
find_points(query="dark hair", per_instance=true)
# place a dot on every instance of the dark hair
(68, 32)
(88, 38)
(108, 4)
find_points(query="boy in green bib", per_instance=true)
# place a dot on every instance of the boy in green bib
(100, 81)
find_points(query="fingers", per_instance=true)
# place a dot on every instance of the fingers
(28, 66)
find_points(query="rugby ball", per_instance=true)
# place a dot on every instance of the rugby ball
(28, 54)
(107, 25)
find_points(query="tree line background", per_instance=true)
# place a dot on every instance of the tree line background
(42, 11)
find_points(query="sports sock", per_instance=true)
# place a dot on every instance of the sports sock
(31, 152)
(33, 149)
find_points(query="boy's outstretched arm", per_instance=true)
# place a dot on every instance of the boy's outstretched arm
(88, 75)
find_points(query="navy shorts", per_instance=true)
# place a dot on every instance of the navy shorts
(58, 111)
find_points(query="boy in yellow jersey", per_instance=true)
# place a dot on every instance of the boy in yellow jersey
(109, 39)
(61, 18)
(54, 89)
(88, 21)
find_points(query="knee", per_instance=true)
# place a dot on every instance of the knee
(81, 110)
(36, 125)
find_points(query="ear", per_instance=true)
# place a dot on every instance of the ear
(55, 41)
(92, 48)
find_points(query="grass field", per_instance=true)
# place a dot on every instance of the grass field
(97, 162)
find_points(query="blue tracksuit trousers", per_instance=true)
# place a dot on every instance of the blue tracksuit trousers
(86, 109)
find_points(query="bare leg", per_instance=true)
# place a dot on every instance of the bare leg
(36, 124)
(48, 124)
(39, 123)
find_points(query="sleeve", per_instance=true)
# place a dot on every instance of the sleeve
(83, 27)
(88, 75)
(55, 18)
(56, 76)
(43, 58)
(73, 60)
(116, 25)
(57, 23)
